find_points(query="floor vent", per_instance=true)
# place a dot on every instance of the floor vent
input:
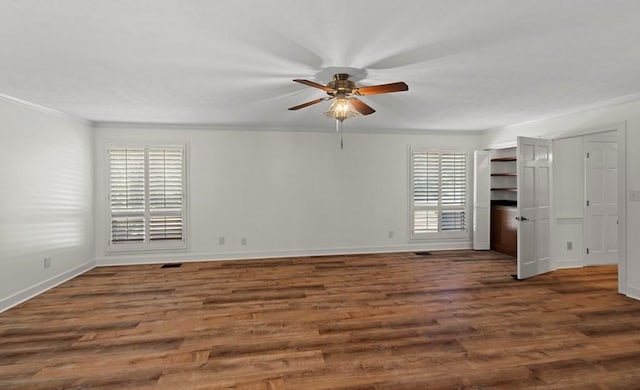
(425, 253)
(172, 265)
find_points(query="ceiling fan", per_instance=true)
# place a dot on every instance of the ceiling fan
(344, 91)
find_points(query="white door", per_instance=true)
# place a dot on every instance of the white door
(601, 206)
(534, 195)
(481, 200)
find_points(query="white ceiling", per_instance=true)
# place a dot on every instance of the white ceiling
(469, 64)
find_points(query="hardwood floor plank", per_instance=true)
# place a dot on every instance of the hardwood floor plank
(449, 320)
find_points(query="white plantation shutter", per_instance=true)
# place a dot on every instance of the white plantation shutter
(126, 194)
(426, 178)
(146, 195)
(453, 191)
(453, 178)
(425, 221)
(426, 191)
(166, 193)
(438, 192)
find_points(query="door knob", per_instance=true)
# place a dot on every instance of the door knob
(522, 219)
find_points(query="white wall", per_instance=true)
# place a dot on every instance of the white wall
(287, 193)
(46, 199)
(605, 118)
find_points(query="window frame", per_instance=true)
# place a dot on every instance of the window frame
(440, 235)
(148, 245)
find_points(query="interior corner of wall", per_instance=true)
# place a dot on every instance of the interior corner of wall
(633, 292)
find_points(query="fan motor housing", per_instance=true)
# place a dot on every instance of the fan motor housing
(341, 83)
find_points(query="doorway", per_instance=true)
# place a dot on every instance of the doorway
(601, 181)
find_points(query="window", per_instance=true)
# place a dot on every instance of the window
(146, 197)
(438, 201)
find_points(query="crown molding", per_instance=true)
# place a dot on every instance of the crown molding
(43, 109)
(618, 101)
(283, 128)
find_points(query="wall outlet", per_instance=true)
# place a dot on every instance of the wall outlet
(569, 245)
(221, 240)
(390, 234)
(243, 241)
(47, 262)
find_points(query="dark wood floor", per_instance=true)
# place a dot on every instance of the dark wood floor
(452, 320)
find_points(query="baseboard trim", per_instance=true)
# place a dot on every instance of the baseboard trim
(568, 263)
(633, 292)
(30, 292)
(605, 262)
(162, 258)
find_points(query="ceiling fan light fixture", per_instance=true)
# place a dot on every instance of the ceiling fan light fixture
(345, 104)
(344, 94)
(341, 109)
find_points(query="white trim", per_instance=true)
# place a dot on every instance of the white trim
(370, 130)
(569, 263)
(633, 292)
(501, 145)
(212, 256)
(623, 276)
(584, 131)
(330, 128)
(553, 227)
(617, 101)
(44, 109)
(561, 134)
(441, 236)
(569, 220)
(37, 289)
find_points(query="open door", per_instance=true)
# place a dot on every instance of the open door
(534, 195)
(481, 200)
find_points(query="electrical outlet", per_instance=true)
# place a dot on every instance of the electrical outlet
(390, 234)
(569, 245)
(243, 241)
(47, 262)
(221, 240)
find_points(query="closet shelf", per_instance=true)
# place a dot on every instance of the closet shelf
(504, 174)
(505, 189)
(504, 159)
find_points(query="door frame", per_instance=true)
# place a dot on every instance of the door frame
(621, 138)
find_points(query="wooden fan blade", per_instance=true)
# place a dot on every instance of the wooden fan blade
(361, 106)
(314, 84)
(382, 88)
(307, 104)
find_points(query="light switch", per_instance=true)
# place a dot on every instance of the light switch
(634, 196)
